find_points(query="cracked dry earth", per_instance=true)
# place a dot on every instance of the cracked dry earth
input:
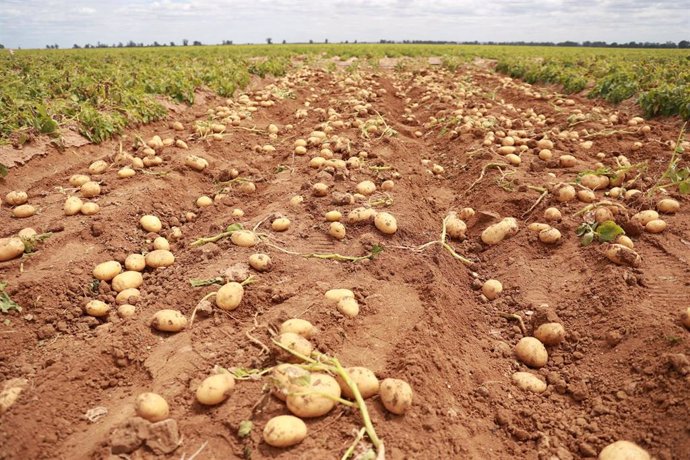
(621, 372)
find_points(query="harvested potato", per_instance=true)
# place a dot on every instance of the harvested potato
(127, 295)
(204, 201)
(386, 223)
(550, 236)
(96, 308)
(644, 217)
(90, 208)
(126, 280)
(27, 233)
(567, 161)
(348, 306)
(106, 271)
(150, 223)
(311, 400)
(244, 238)
(196, 163)
(126, 310)
(622, 255)
(623, 450)
(229, 296)
(466, 213)
(625, 241)
(284, 431)
(550, 333)
(16, 198)
(387, 185)
(90, 189)
(552, 215)
(565, 193)
(288, 378)
(215, 389)
(72, 206)
(492, 289)
(586, 196)
(23, 211)
(337, 230)
(11, 248)
(260, 262)
(161, 243)
(159, 258)
(594, 182)
(335, 295)
(668, 206)
(545, 154)
(655, 226)
(299, 326)
(603, 214)
(364, 379)
(280, 224)
(532, 352)
(455, 227)
(77, 180)
(168, 321)
(294, 342)
(396, 395)
(538, 227)
(529, 382)
(152, 407)
(496, 233)
(366, 187)
(360, 215)
(98, 167)
(319, 189)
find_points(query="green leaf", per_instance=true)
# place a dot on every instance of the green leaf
(234, 227)
(684, 187)
(245, 428)
(205, 282)
(587, 239)
(7, 304)
(4, 171)
(608, 231)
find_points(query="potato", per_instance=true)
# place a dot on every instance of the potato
(316, 162)
(152, 407)
(529, 382)
(386, 223)
(260, 262)
(335, 295)
(310, 401)
(168, 321)
(387, 185)
(24, 210)
(668, 206)
(16, 198)
(159, 258)
(26, 233)
(126, 310)
(538, 227)
(319, 189)
(364, 379)
(396, 395)
(300, 327)
(215, 389)
(492, 289)
(623, 450)
(625, 241)
(565, 193)
(506, 150)
(196, 163)
(366, 187)
(333, 216)
(545, 154)
(96, 308)
(549, 236)
(137, 163)
(544, 144)
(204, 201)
(11, 248)
(532, 352)
(280, 224)
(229, 296)
(161, 243)
(567, 161)
(685, 318)
(586, 196)
(550, 333)
(337, 230)
(90, 189)
(294, 342)
(126, 295)
(496, 233)
(288, 378)
(284, 431)
(622, 255)
(106, 271)
(603, 214)
(244, 238)
(77, 180)
(361, 215)
(150, 223)
(643, 217)
(90, 208)
(455, 227)
(655, 226)
(348, 306)
(126, 280)
(594, 182)
(72, 206)
(98, 167)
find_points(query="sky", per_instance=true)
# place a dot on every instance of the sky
(34, 23)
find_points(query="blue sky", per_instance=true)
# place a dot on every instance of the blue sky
(33, 23)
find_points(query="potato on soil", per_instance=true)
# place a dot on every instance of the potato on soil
(126, 280)
(161, 243)
(72, 206)
(319, 189)
(77, 180)
(284, 431)
(159, 258)
(396, 395)
(538, 227)
(127, 295)
(565, 193)
(27, 233)
(16, 198)
(550, 333)
(655, 226)
(643, 217)
(229, 296)
(90, 208)
(360, 215)
(168, 321)
(196, 163)
(668, 206)
(386, 223)
(287, 378)
(337, 230)
(152, 407)
(365, 380)
(529, 382)
(623, 450)
(333, 216)
(126, 310)
(280, 224)
(311, 400)
(260, 262)
(531, 352)
(299, 326)
(23, 211)
(96, 308)
(455, 227)
(294, 342)
(552, 215)
(550, 236)
(496, 233)
(348, 306)
(98, 167)
(90, 189)
(106, 271)
(366, 187)
(622, 255)
(215, 389)
(150, 223)
(594, 182)
(335, 295)
(204, 201)
(625, 241)
(11, 248)
(244, 238)
(492, 289)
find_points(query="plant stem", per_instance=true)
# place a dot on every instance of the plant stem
(350, 450)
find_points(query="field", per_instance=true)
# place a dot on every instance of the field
(486, 196)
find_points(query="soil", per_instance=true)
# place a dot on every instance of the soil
(622, 371)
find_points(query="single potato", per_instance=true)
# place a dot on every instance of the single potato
(396, 395)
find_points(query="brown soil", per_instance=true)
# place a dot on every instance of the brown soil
(621, 373)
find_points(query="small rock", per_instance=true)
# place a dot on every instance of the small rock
(587, 450)
(164, 437)
(129, 436)
(238, 272)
